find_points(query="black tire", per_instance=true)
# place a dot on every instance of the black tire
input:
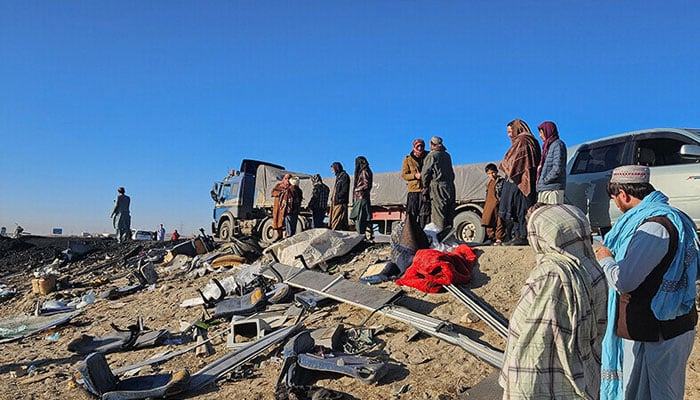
(268, 235)
(468, 227)
(225, 232)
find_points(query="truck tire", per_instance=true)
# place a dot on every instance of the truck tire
(267, 233)
(468, 227)
(225, 232)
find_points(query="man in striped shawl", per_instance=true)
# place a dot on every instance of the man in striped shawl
(556, 329)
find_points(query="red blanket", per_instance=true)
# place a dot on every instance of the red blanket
(433, 268)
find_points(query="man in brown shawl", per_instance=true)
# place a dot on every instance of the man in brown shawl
(520, 166)
(279, 207)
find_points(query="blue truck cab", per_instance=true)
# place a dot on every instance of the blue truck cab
(243, 201)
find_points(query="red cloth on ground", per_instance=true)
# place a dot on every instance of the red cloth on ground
(433, 268)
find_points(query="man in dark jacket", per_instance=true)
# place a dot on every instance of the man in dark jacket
(410, 172)
(121, 217)
(551, 173)
(361, 213)
(338, 217)
(438, 175)
(318, 202)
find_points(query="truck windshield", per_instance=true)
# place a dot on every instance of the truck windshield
(229, 190)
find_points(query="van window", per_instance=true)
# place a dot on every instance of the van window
(598, 159)
(659, 152)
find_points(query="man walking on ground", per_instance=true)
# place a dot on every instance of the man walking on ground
(338, 217)
(650, 259)
(410, 172)
(318, 202)
(121, 219)
(438, 175)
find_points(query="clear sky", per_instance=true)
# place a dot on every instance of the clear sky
(164, 97)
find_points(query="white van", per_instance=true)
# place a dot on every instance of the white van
(672, 154)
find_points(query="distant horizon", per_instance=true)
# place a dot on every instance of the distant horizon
(164, 98)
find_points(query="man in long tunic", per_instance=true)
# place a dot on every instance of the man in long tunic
(340, 196)
(520, 166)
(361, 212)
(438, 175)
(650, 259)
(557, 326)
(279, 206)
(121, 218)
(410, 172)
(318, 204)
(495, 226)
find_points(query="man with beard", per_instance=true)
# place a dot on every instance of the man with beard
(338, 216)
(410, 172)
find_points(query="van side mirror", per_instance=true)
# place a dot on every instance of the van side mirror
(690, 151)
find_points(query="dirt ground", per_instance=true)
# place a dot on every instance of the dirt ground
(423, 367)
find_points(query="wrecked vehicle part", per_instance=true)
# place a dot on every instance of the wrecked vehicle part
(335, 287)
(316, 246)
(496, 321)
(376, 299)
(18, 327)
(444, 330)
(98, 379)
(298, 363)
(166, 357)
(76, 250)
(136, 336)
(227, 363)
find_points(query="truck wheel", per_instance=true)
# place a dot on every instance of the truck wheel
(267, 233)
(468, 227)
(225, 231)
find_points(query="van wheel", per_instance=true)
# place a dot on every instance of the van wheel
(225, 231)
(268, 234)
(468, 227)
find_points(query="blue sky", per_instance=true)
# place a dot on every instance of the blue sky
(164, 97)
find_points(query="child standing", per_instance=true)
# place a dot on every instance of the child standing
(495, 226)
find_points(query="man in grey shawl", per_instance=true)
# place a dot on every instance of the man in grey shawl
(438, 175)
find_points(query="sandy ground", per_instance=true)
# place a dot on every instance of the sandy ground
(422, 368)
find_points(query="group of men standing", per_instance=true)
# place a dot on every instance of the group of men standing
(360, 212)
(615, 320)
(431, 187)
(288, 198)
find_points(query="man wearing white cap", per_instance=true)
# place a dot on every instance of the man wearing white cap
(437, 175)
(650, 259)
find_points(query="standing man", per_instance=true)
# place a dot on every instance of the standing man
(650, 259)
(318, 202)
(410, 172)
(279, 208)
(557, 327)
(361, 213)
(121, 218)
(551, 173)
(438, 175)
(291, 199)
(495, 227)
(520, 166)
(160, 233)
(338, 217)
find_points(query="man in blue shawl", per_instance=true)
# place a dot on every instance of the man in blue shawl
(650, 258)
